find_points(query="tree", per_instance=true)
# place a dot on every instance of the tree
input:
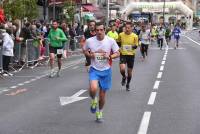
(69, 9)
(20, 9)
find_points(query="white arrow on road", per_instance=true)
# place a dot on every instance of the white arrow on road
(73, 98)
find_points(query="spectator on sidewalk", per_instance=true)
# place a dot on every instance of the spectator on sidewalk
(65, 29)
(8, 45)
(25, 34)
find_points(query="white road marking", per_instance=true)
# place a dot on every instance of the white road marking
(32, 80)
(73, 63)
(20, 84)
(159, 75)
(152, 98)
(156, 85)
(192, 40)
(161, 68)
(5, 90)
(25, 76)
(163, 63)
(144, 123)
(73, 98)
(75, 67)
(26, 82)
(164, 58)
(13, 87)
(181, 48)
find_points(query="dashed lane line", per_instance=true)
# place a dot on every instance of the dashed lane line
(20, 84)
(163, 63)
(147, 115)
(159, 75)
(152, 98)
(144, 123)
(13, 87)
(161, 68)
(156, 84)
(33, 80)
(26, 82)
(164, 58)
(75, 67)
(73, 63)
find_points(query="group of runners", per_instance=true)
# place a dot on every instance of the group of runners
(100, 48)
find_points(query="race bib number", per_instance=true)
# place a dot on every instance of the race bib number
(161, 34)
(100, 58)
(176, 34)
(59, 51)
(145, 37)
(127, 47)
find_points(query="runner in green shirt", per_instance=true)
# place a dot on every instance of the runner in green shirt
(56, 37)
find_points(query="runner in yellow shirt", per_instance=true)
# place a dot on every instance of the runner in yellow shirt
(112, 33)
(128, 42)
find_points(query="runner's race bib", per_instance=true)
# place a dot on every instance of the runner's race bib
(59, 51)
(100, 58)
(176, 34)
(145, 37)
(127, 47)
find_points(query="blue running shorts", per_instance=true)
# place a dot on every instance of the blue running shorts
(104, 78)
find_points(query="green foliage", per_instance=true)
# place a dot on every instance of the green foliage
(69, 7)
(20, 9)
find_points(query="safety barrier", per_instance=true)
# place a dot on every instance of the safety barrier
(1, 60)
(77, 41)
(36, 53)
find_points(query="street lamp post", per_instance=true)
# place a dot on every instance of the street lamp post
(44, 9)
(54, 9)
(164, 12)
(107, 16)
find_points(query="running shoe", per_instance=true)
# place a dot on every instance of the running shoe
(128, 87)
(51, 74)
(58, 73)
(5, 74)
(93, 106)
(123, 81)
(99, 117)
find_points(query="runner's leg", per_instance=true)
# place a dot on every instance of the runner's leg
(146, 49)
(130, 65)
(143, 50)
(93, 90)
(102, 95)
(52, 57)
(123, 73)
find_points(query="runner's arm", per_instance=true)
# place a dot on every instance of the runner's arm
(136, 42)
(62, 36)
(115, 50)
(115, 55)
(86, 50)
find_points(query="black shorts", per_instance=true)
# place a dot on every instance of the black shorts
(127, 59)
(54, 50)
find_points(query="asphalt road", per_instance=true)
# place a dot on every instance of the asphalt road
(164, 97)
